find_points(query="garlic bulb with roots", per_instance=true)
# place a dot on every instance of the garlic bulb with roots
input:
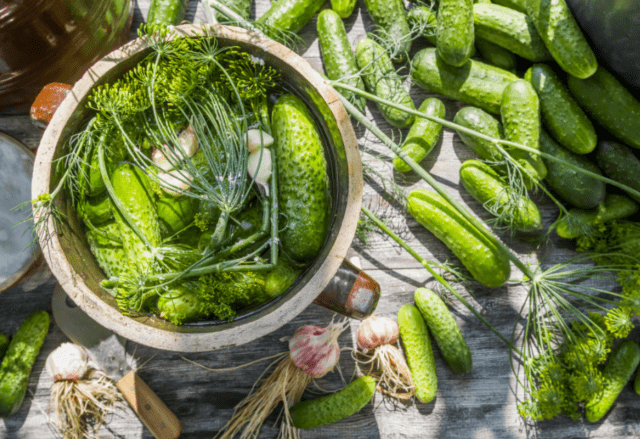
(377, 338)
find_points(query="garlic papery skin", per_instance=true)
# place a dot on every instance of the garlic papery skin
(160, 160)
(189, 142)
(257, 139)
(259, 167)
(315, 350)
(375, 331)
(175, 182)
(67, 362)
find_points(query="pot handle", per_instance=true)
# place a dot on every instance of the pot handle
(47, 102)
(351, 292)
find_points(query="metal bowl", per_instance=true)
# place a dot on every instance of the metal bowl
(67, 252)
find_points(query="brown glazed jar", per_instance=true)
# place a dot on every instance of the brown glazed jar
(43, 41)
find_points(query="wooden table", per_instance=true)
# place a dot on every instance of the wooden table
(481, 404)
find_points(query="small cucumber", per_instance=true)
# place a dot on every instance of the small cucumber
(578, 189)
(422, 135)
(516, 5)
(445, 330)
(610, 104)
(19, 360)
(562, 36)
(391, 17)
(475, 83)
(488, 188)
(612, 208)
(417, 349)
(97, 209)
(4, 345)
(289, 15)
(167, 11)
(337, 55)
(343, 8)
(509, 29)
(496, 56)
(175, 213)
(520, 113)
(619, 163)
(421, 17)
(623, 361)
(478, 120)
(303, 181)
(382, 80)
(561, 114)
(280, 278)
(108, 253)
(181, 305)
(332, 408)
(455, 36)
(484, 260)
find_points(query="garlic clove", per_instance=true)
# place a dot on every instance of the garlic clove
(160, 160)
(375, 331)
(175, 182)
(259, 167)
(189, 142)
(67, 362)
(315, 350)
(257, 139)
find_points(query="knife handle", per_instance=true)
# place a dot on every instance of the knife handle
(160, 421)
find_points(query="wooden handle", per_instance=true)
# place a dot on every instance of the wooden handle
(160, 421)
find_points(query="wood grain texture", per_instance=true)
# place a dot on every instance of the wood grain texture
(479, 405)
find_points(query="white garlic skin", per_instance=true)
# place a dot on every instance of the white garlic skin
(315, 350)
(257, 139)
(189, 142)
(175, 182)
(259, 167)
(375, 331)
(67, 362)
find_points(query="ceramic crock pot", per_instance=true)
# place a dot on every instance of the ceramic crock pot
(70, 260)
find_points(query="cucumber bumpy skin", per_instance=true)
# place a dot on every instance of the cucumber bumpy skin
(445, 330)
(332, 408)
(108, 253)
(167, 11)
(303, 182)
(175, 213)
(509, 29)
(382, 80)
(425, 18)
(4, 345)
(423, 134)
(337, 55)
(610, 104)
(613, 207)
(562, 36)
(561, 114)
(289, 15)
(475, 83)
(496, 56)
(343, 8)
(485, 186)
(417, 349)
(19, 360)
(619, 163)
(455, 36)
(478, 120)
(391, 16)
(623, 361)
(485, 261)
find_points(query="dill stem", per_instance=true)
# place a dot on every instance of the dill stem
(231, 14)
(479, 135)
(439, 278)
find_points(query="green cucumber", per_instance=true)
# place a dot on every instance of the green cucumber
(488, 188)
(576, 188)
(167, 11)
(280, 278)
(332, 408)
(181, 305)
(485, 261)
(619, 163)
(108, 253)
(382, 80)
(4, 345)
(623, 361)
(423, 18)
(496, 56)
(520, 113)
(337, 55)
(475, 83)
(240, 7)
(289, 15)
(561, 114)
(612, 208)
(97, 209)
(610, 104)
(417, 349)
(455, 36)
(516, 5)
(391, 17)
(19, 360)
(303, 182)
(175, 213)
(478, 120)
(445, 330)
(509, 29)
(343, 8)
(562, 36)
(422, 135)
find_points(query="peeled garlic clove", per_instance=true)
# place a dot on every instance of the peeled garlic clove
(160, 160)
(175, 182)
(67, 362)
(259, 167)
(257, 139)
(189, 142)
(375, 331)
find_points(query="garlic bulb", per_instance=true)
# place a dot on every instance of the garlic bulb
(375, 331)
(257, 139)
(67, 362)
(315, 350)
(174, 182)
(259, 167)
(189, 142)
